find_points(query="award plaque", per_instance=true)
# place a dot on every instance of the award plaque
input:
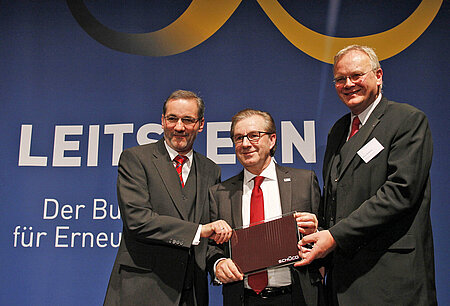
(265, 245)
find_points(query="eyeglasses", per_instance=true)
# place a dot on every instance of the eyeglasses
(356, 77)
(253, 137)
(188, 121)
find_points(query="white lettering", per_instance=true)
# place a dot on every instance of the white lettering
(92, 157)
(219, 146)
(66, 210)
(61, 145)
(23, 237)
(214, 142)
(25, 159)
(56, 208)
(117, 130)
(290, 137)
(100, 211)
(59, 236)
(100, 238)
(142, 133)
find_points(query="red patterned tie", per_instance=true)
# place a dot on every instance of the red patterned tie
(180, 160)
(257, 281)
(355, 127)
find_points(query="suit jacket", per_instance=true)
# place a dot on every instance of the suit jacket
(156, 241)
(384, 252)
(300, 193)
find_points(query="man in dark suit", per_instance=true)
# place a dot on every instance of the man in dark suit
(376, 197)
(284, 190)
(163, 198)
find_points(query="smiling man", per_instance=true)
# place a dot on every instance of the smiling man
(376, 195)
(162, 192)
(283, 190)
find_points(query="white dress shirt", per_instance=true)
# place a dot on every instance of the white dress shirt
(364, 115)
(185, 169)
(277, 277)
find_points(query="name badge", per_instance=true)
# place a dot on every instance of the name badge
(370, 150)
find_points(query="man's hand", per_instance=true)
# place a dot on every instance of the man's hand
(218, 230)
(307, 223)
(227, 271)
(323, 242)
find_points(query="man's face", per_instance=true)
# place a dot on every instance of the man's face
(180, 136)
(360, 94)
(254, 156)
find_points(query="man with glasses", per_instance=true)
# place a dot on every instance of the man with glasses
(376, 195)
(163, 199)
(284, 190)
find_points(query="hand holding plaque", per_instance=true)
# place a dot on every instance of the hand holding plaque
(270, 244)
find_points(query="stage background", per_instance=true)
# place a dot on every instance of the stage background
(70, 104)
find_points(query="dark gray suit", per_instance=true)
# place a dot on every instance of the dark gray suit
(379, 211)
(153, 256)
(299, 191)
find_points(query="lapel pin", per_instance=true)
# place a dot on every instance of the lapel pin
(287, 179)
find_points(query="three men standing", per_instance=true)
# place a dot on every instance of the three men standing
(375, 208)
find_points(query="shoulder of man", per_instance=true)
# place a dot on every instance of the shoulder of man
(229, 183)
(142, 149)
(402, 108)
(142, 152)
(205, 161)
(297, 171)
(339, 124)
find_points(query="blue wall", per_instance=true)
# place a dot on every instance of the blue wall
(69, 104)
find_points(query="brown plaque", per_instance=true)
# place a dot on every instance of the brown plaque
(265, 245)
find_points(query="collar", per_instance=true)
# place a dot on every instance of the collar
(366, 113)
(269, 173)
(173, 153)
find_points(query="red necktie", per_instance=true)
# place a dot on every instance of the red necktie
(180, 160)
(257, 281)
(355, 127)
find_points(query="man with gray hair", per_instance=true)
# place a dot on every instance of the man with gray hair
(376, 195)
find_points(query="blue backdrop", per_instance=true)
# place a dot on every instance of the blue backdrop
(76, 88)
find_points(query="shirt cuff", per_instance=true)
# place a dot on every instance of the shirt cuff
(196, 240)
(216, 280)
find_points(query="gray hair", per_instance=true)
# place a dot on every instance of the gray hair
(248, 112)
(187, 95)
(367, 50)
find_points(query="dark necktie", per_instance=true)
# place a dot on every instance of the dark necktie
(257, 281)
(180, 160)
(355, 127)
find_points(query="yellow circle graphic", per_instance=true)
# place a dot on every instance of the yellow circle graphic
(204, 17)
(323, 47)
(199, 22)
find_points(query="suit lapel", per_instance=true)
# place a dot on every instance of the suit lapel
(335, 142)
(169, 176)
(202, 179)
(285, 187)
(236, 200)
(350, 149)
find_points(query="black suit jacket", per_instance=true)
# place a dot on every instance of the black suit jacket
(383, 229)
(299, 191)
(156, 240)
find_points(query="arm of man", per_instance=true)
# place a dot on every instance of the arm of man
(139, 215)
(307, 219)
